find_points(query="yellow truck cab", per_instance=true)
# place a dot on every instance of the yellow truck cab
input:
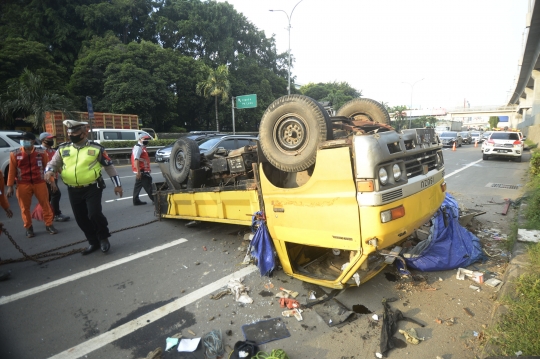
(338, 193)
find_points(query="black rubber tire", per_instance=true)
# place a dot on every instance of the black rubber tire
(185, 156)
(485, 157)
(291, 129)
(517, 159)
(365, 106)
(329, 127)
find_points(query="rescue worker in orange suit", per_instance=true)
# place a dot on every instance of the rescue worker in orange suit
(81, 162)
(5, 205)
(140, 164)
(26, 167)
(47, 143)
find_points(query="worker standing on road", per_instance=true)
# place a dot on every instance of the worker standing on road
(47, 143)
(81, 162)
(140, 164)
(26, 165)
(5, 205)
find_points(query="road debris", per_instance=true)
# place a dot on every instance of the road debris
(293, 312)
(411, 336)
(240, 291)
(220, 294)
(469, 313)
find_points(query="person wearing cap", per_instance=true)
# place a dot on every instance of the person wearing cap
(26, 165)
(140, 164)
(81, 162)
(47, 143)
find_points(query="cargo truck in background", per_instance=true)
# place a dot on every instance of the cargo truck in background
(443, 126)
(337, 193)
(54, 123)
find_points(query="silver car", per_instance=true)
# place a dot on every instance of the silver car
(451, 138)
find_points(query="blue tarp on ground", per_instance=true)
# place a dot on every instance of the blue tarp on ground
(449, 245)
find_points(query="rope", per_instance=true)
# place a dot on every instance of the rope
(214, 345)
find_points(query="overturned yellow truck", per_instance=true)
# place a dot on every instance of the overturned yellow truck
(338, 192)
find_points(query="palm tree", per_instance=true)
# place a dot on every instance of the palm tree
(217, 84)
(399, 116)
(29, 98)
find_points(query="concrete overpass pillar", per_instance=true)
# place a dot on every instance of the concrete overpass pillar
(528, 119)
(535, 109)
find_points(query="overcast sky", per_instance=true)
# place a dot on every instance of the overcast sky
(462, 49)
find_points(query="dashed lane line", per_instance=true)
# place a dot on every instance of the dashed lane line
(71, 278)
(149, 318)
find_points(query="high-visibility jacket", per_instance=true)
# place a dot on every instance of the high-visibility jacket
(82, 166)
(139, 153)
(27, 168)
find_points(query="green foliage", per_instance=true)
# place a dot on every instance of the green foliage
(398, 117)
(177, 129)
(517, 330)
(337, 93)
(127, 144)
(535, 164)
(217, 84)
(29, 99)
(493, 121)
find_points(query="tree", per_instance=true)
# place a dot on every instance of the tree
(335, 92)
(399, 116)
(29, 99)
(493, 121)
(216, 84)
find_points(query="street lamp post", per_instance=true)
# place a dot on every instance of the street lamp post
(289, 17)
(412, 88)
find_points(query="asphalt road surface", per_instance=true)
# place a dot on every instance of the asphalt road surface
(158, 277)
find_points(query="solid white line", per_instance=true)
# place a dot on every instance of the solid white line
(461, 169)
(71, 278)
(128, 328)
(123, 198)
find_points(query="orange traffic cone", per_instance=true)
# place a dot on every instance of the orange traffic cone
(475, 143)
(454, 147)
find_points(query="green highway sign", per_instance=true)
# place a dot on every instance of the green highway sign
(246, 101)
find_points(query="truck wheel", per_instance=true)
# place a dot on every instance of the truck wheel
(290, 132)
(185, 156)
(364, 109)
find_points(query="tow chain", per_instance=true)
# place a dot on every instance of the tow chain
(52, 252)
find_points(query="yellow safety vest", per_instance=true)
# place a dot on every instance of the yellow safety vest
(81, 166)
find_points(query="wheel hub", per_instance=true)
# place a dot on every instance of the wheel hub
(290, 134)
(180, 160)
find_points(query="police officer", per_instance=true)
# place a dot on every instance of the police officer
(140, 164)
(81, 162)
(47, 143)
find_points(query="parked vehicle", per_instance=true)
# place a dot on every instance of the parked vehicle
(504, 144)
(348, 184)
(466, 136)
(8, 143)
(477, 137)
(450, 138)
(99, 135)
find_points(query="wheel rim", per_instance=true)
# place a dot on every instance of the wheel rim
(180, 160)
(290, 134)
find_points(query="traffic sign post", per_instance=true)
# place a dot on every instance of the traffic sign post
(244, 101)
(90, 112)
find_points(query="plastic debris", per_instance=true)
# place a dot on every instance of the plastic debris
(526, 235)
(282, 295)
(378, 355)
(293, 313)
(289, 303)
(474, 287)
(493, 282)
(170, 343)
(311, 295)
(188, 345)
(375, 317)
(240, 291)
(519, 353)
(411, 336)
(289, 292)
(478, 277)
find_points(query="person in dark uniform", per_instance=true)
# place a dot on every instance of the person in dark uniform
(140, 164)
(81, 162)
(47, 143)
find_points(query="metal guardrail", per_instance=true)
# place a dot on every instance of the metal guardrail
(127, 150)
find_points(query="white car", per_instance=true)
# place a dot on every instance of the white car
(504, 144)
(8, 143)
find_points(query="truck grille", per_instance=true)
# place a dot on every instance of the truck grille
(414, 164)
(392, 196)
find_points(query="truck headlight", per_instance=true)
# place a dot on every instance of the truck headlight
(397, 172)
(383, 176)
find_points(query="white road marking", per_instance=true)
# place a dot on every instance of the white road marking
(71, 278)
(123, 198)
(149, 318)
(461, 169)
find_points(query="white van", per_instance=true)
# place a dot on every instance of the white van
(99, 135)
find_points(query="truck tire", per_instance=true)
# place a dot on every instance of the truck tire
(185, 156)
(360, 108)
(290, 132)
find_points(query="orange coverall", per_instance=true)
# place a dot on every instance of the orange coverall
(27, 170)
(3, 199)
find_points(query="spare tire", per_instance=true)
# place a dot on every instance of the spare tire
(290, 132)
(185, 156)
(364, 109)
